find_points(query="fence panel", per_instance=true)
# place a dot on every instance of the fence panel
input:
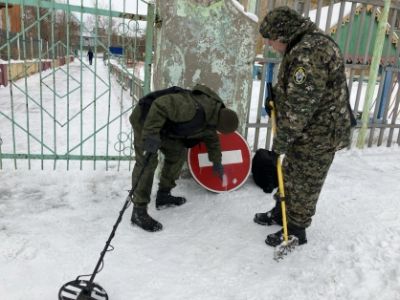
(59, 107)
(353, 24)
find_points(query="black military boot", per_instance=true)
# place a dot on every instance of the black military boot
(165, 199)
(275, 239)
(141, 218)
(272, 217)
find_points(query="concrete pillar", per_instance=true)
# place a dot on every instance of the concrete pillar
(210, 42)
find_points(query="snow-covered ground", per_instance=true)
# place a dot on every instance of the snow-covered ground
(53, 225)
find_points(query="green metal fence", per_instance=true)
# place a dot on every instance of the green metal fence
(56, 107)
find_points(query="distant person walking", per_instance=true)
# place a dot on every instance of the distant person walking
(90, 55)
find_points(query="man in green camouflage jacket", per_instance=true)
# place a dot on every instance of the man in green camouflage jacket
(311, 101)
(171, 121)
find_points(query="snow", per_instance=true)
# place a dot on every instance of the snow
(53, 227)
(335, 14)
(54, 224)
(58, 110)
(123, 6)
(135, 6)
(240, 8)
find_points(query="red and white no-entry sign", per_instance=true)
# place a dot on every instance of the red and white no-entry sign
(236, 159)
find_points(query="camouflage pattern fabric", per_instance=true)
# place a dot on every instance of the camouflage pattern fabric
(313, 119)
(312, 96)
(283, 24)
(179, 107)
(304, 176)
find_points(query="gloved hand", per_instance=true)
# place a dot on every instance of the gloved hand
(218, 170)
(151, 144)
(270, 98)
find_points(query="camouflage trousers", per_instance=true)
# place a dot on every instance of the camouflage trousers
(175, 156)
(304, 175)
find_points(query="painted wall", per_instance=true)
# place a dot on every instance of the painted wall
(210, 42)
(14, 18)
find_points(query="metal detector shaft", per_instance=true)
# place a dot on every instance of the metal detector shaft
(280, 176)
(103, 253)
(121, 213)
(88, 290)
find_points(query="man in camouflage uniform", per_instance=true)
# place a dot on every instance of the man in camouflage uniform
(173, 120)
(314, 118)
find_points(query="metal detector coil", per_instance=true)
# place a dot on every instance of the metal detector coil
(86, 289)
(82, 290)
(285, 247)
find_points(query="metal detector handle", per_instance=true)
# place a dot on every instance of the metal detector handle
(282, 197)
(273, 117)
(147, 157)
(280, 177)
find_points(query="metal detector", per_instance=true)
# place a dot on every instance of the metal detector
(289, 242)
(80, 289)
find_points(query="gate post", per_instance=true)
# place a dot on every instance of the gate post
(209, 42)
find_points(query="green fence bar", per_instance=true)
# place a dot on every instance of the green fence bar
(149, 49)
(57, 157)
(81, 90)
(376, 57)
(74, 8)
(25, 81)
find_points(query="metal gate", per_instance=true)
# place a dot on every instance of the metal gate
(58, 108)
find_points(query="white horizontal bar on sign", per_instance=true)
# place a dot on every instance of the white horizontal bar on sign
(228, 157)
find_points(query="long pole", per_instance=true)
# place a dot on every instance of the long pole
(373, 72)
(121, 213)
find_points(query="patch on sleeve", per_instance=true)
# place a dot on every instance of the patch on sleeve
(299, 75)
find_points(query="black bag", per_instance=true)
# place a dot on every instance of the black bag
(180, 129)
(146, 101)
(264, 171)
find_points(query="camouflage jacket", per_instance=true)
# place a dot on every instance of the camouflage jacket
(181, 108)
(311, 95)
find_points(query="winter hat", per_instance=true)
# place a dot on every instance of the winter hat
(227, 121)
(282, 24)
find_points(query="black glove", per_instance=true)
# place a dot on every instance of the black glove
(268, 99)
(151, 144)
(218, 170)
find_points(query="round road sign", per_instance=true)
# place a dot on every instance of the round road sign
(236, 159)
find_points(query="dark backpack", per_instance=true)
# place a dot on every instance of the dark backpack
(263, 168)
(146, 101)
(179, 130)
